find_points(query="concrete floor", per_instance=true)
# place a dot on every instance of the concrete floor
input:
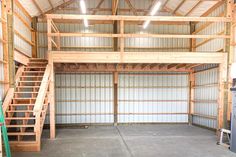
(132, 141)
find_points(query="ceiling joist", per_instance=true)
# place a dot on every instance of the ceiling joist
(131, 7)
(115, 4)
(97, 7)
(38, 7)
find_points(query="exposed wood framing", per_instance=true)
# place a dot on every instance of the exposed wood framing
(24, 11)
(115, 4)
(178, 6)
(50, 3)
(20, 57)
(122, 41)
(191, 96)
(140, 57)
(219, 3)
(5, 46)
(135, 67)
(52, 98)
(38, 7)
(34, 37)
(131, 7)
(115, 84)
(193, 8)
(97, 7)
(10, 30)
(137, 18)
(61, 6)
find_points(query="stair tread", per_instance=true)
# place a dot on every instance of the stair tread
(32, 76)
(33, 71)
(23, 98)
(29, 81)
(35, 67)
(27, 86)
(18, 118)
(25, 92)
(20, 111)
(20, 133)
(19, 126)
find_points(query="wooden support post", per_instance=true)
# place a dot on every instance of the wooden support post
(5, 46)
(115, 40)
(34, 37)
(49, 26)
(222, 88)
(230, 8)
(115, 83)
(191, 96)
(229, 47)
(10, 30)
(122, 41)
(192, 40)
(52, 100)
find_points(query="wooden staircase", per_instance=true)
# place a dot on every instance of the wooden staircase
(25, 107)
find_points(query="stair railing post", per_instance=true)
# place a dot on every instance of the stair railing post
(38, 130)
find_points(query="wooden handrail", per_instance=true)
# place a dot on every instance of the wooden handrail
(10, 92)
(42, 91)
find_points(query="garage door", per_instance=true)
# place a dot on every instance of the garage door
(153, 98)
(84, 98)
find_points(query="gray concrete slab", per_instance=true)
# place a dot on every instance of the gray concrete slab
(132, 141)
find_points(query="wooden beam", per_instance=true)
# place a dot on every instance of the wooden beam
(131, 7)
(136, 18)
(122, 35)
(20, 57)
(38, 7)
(178, 6)
(193, 8)
(97, 7)
(138, 57)
(5, 46)
(52, 100)
(10, 30)
(219, 3)
(50, 3)
(115, 68)
(150, 7)
(122, 41)
(63, 5)
(34, 36)
(115, 84)
(115, 4)
(191, 96)
(24, 11)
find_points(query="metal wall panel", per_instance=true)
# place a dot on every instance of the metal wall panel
(214, 28)
(205, 96)
(19, 43)
(153, 98)
(84, 98)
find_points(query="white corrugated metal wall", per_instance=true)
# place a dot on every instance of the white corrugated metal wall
(206, 98)
(19, 43)
(153, 98)
(206, 90)
(84, 98)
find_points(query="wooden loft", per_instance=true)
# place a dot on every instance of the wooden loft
(120, 60)
(59, 56)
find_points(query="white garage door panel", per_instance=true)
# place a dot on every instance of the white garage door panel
(153, 97)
